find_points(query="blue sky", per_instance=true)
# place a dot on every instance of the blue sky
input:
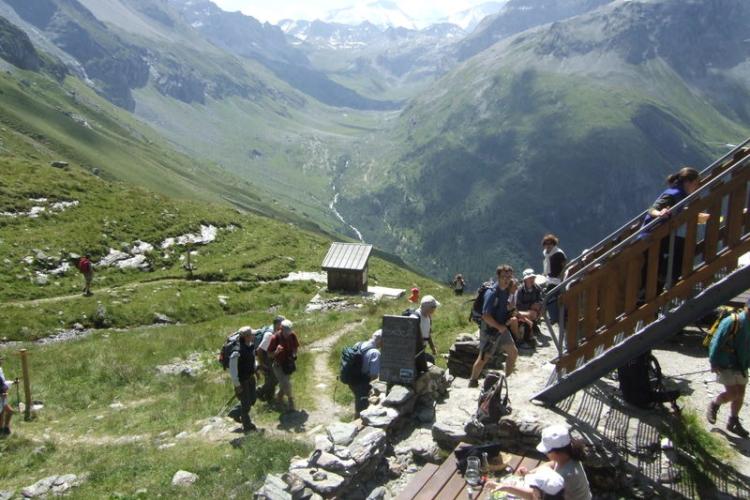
(429, 10)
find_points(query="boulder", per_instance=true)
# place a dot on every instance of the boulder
(381, 417)
(378, 493)
(39, 488)
(341, 433)
(112, 257)
(160, 318)
(332, 463)
(322, 443)
(141, 247)
(420, 446)
(139, 262)
(274, 488)
(398, 396)
(184, 478)
(432, 385)
(6, 494)
(59, 164)
(324, 483)
(368, 444)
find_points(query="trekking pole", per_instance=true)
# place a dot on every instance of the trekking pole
(18, 395)
(226, 405)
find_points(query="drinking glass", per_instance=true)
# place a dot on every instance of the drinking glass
(472, 475)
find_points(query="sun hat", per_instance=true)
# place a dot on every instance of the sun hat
(377, 335)
(554, 437)
(286, 324)
(245, 330)
(429, 301)
(528, 273)
(547, 480)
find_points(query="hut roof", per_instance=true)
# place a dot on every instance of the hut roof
(347, 256)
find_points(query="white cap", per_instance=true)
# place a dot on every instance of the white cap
(245, 330)
(429, 301)
(528, 273)
(377, 335)
(554, 437)
(286, 324)
(547, 480)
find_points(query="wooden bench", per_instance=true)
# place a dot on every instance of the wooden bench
(447, 483)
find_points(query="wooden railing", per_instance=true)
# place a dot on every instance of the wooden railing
(626, 283)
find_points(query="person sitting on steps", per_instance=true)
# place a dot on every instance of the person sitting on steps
(529, 304)
(729, 354)
(493, 331)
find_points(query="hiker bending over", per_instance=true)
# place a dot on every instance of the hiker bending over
(565, 455)
(543, 484)
(6, 412)
(529, 304)
(492, 330)
(370, 370)
(554, 264)
(86, 267)
(242, 373)
(265, 363)
(283, 352)
(729, 354)
(426, 309)
(458, 284)
(681, 184)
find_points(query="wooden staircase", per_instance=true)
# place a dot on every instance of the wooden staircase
(623, 296)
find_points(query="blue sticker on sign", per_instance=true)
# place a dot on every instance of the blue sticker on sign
(406, 374)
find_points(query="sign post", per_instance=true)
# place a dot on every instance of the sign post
(397, 358)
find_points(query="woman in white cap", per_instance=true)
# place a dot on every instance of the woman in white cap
(543, 483)
(565, 455)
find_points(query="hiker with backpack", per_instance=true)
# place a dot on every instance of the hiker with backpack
(427, 308)
(360, 365)
(265, 363)
(6, 411)
(493, 332)
(729, 354)
(86, 267)
(283, 352)
(554, 265)
(458, 284)
(242, 373)
(529, 305)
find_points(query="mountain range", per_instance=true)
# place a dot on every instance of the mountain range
(455, 148)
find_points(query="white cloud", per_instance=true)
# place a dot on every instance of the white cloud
(422, 10)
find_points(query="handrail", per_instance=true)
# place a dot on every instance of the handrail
(632, 221)
(654, 223)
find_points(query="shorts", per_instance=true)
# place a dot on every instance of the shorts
(730, 377)
(489, 342)
(285, 385)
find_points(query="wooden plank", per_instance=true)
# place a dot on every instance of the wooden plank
(454, 488)
(610, 291)
(438, 480)
(571, 329)
(633, 284)
(652, 270)
(691, 233)
(712, 231)
(590, 318)
(737, 203)
(417, 482)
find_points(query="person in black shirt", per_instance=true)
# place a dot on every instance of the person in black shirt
(554, 264)
(242, 373)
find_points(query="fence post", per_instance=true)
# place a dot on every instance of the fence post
(26, 384)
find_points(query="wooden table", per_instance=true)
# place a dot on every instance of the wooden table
(447, 483)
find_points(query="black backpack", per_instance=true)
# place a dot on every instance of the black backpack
(351, 364)
(476, 308)
(230, 344)
(641, 382)
(494, 400)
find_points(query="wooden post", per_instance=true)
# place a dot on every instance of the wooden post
(189, 248)
(26, 384)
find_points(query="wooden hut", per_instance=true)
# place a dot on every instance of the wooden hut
(346, 265)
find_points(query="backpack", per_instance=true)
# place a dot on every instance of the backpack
(494, 400)
(641, 382)
(352, 358)
(721, 314)
(260, 333)
(230, 344)
(476, 308)
(409, 311)
(84, 265)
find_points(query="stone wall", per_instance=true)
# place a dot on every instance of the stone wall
(464, 352)
(352, 459)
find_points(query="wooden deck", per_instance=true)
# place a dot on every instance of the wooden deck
(447, 483)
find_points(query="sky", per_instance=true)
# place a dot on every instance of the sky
(429, 10)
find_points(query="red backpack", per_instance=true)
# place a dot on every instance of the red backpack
(84, 265)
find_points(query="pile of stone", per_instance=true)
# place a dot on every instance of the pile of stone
(464, 352)
(52, 486)
(349, 455)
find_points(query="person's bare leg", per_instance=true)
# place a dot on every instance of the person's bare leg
(739, 397)
(510, 361)
(476, 370)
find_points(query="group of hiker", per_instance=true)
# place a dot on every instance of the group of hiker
(269, 352)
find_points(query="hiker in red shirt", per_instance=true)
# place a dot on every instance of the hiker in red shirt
(87, 269)
(283, 351)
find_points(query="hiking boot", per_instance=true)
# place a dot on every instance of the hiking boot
(473, 383)
(734, 426)
(713, 410)
(249, 428)
(5, 431)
